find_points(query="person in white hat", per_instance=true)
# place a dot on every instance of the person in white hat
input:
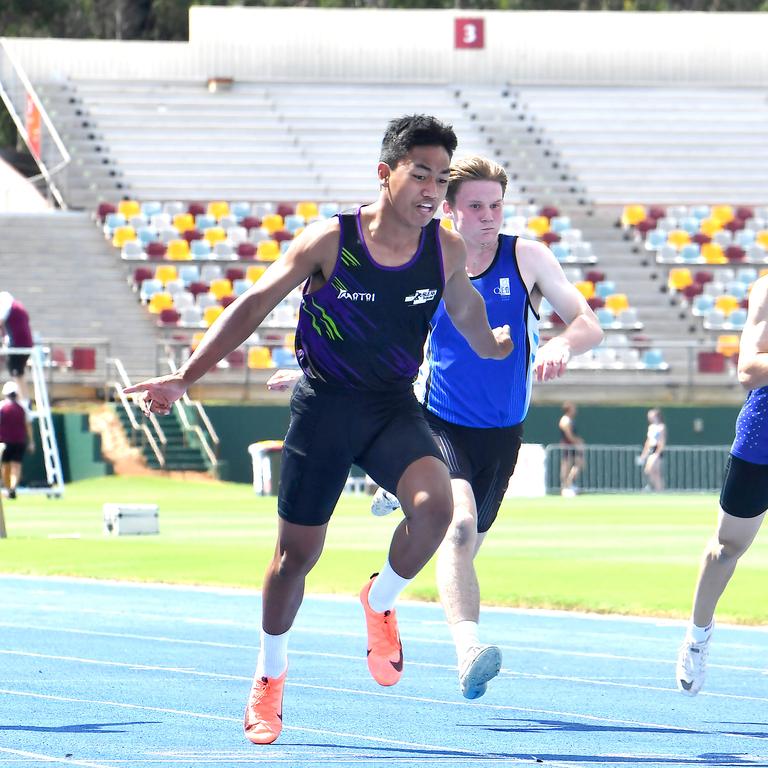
(16, 434)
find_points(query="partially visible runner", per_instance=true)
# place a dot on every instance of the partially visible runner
(652, 454)
(743, 498)
(572, 450)
(475, 407)
(372, 281)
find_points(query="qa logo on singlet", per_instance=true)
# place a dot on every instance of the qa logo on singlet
(422, 296)
(503, 288)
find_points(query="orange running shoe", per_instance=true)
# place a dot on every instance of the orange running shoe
(385, 651)
(264, 712)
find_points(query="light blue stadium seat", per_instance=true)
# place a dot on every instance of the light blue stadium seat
(172, 207)
(147, 235)
(191, 317)
(112, 222)
(200, 249)
(653, 358)
(240, 209)
(138, 221)
(149, 287)
(690, 253)
(702, 304)
(292, 222)
(701, 211)
(561, 251)
(283, 357)
(714, 319)
(605, 317)
(210, 272)
(240, 286)
(690, 224)
(746, 275)
(132, 251)
(224, 250)
(738, 317)
(605, 288)
(560, 223)
(628, 317)
(744, 237)
(655, 239)
(736, 288)
(203, 221)
(189, 273)
(150, 207)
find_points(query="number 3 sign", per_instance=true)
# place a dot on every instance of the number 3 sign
(469, 33)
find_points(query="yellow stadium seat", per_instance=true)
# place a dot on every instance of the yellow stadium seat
(763, 272)
(218, 208)
(211, 313)
(678, 238)
(129, 208)
(196, 339)
(728, 345)
(632, 214)
(679, 278)
(726, 304)
(586, 288)
(272, 222)
(538, 225)
(260, 357)
(446, 223)
(165, 272)
(723, 213)
(762, 238)
(307, 209)
(713, 253)
(617, 302)
(267, 250)
(290, 340)
(220, 287)
(254, 272)
(214, 235)
(178, 250)
(184, 222)
(160, 301)
(123, 235)
(711, 226)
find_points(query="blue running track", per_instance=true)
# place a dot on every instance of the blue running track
(147, 676)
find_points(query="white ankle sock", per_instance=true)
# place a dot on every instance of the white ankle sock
(385, 590)
(700, 634)
(464, 636)
(273, 655)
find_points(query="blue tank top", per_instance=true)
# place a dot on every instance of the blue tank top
(460, 387)
(751, 441)
(366, 327)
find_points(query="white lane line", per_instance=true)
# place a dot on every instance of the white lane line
(223, 718)
(504, 673)
(50, 759)
(406, 639)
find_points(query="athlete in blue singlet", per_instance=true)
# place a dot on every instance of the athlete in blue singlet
(743, 498)
(372, 282)
(476, 407)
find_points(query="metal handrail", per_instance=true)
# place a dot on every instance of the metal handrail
(126, 382)
(138, 426)
(13, 110)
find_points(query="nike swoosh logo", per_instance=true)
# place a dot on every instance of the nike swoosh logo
(398, 665)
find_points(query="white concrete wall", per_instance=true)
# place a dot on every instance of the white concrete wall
(417, 46)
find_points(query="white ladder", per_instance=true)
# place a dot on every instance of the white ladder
(42, 413)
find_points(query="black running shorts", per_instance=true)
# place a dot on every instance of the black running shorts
(745, 488)
(485, 458)
(331, 429)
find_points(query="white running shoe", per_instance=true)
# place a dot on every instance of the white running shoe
(692, 666)
(480, 664)
(384, 503)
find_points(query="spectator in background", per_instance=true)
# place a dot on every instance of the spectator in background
(14, 320)
(743, 498)
(653, 450)
(572, 457)
(15, 434)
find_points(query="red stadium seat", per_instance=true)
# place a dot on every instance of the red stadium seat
(104, 209)
(550, 237)
(246, 250)
(550, 211)
(234, 273)
(197, 209)
(83, 359)
(711, 362)
(192, 234)
(285, 209)
(735, 254)
(169, 316)
(250, 222)
(155, 250)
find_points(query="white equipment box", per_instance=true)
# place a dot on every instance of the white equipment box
(125, 519)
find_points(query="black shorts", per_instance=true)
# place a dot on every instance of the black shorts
(17, 364)
(745, 488)
(485, 458)
(331, 429)
(14, 452)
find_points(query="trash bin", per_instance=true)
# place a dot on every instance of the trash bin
(266, 456)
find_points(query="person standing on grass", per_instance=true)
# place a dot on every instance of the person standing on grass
(15, 435)
(474, 407)
(653, 450)
(572, 456)
(743, 497)
(372, 281)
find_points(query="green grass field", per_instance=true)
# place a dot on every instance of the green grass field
(620, 554)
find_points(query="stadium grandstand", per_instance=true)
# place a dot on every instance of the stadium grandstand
(171, 174)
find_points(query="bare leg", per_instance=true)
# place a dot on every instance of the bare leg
(730, 542)
(6, 471)
(14, 475)
(653, 472)
(424, 491)
(298, 549)
(456, 577)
